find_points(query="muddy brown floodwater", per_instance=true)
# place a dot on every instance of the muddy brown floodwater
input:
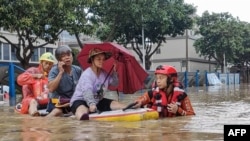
(215, 106)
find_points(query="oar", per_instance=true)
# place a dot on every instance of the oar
(129, 106)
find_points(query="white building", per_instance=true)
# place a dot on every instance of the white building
(7, 52)
(173, 52)
(179, 50)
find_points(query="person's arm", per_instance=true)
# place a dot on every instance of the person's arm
(186, 108)
(28, 77)
(53, 84)
(89, 97)
(85, 84)
(142, 100)
(55, 76)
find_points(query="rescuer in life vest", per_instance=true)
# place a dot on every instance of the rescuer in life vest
(34, 83)
(167, 95)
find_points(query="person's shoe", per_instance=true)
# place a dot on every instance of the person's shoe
(85, 117)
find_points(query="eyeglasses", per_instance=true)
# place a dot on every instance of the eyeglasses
(160, 68)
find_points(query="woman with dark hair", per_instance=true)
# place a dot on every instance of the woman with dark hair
(89, 93)
(63, 78)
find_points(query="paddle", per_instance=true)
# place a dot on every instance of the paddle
(131, 105)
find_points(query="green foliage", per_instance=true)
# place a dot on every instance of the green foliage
(116, 20)
(122, 21)
(75, 54)
(40, 19)
(222, 34)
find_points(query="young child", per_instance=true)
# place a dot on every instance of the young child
(167, 96)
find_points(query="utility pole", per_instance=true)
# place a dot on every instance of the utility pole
(143, 46)
(224, 62)
(187, 50)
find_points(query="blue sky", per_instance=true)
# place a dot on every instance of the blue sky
(238, 8)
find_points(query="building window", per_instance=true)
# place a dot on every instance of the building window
(49, 50)
(158, 51)
(13, 53)
(1, 51)
(6, 50)
(183, 63)
(35, 56)
(5, 29)
(42, 51)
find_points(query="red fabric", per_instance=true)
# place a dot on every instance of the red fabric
(184, 109)
(165, 101)
(6, 96)
(131, 74)
(29, 87)
(39, 89)
(27, 97)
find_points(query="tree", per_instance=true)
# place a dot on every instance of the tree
(82, 21)
(122, 21)
(75, 54)
(32, 20)
(242, 55)
(220, 37)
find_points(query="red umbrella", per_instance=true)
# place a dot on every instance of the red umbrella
(131, 74)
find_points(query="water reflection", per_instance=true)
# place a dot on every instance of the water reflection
(215, 106)
(37, 133)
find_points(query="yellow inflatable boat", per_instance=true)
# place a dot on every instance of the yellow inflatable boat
(116, 115)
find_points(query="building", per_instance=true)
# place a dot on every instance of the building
(176, 51)
(70, 40)
(179, 51)
(8, 52)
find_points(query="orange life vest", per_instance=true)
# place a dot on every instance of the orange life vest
(40, 91)
(159, 101)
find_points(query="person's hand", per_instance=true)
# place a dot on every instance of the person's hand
(60, 66)
(38, 76)
(92, 108)
(172, 108)
(138, 104)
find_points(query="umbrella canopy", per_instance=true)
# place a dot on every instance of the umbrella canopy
(131, 74)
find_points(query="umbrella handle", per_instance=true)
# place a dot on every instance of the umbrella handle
(129, 106)
(100, 91)
(108, 74)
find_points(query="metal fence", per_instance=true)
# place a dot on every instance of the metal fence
(196, 79)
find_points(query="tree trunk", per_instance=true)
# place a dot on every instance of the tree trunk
(25, 64)
(148, 63)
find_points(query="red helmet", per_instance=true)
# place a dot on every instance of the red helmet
(168, 70)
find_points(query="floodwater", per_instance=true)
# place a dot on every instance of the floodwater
(215, 106)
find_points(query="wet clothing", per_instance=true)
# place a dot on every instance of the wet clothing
(67, 83)
(66, 86)
(89, 85)
(158, 100)
(103, 105)
(28, 82)
(51, 106)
